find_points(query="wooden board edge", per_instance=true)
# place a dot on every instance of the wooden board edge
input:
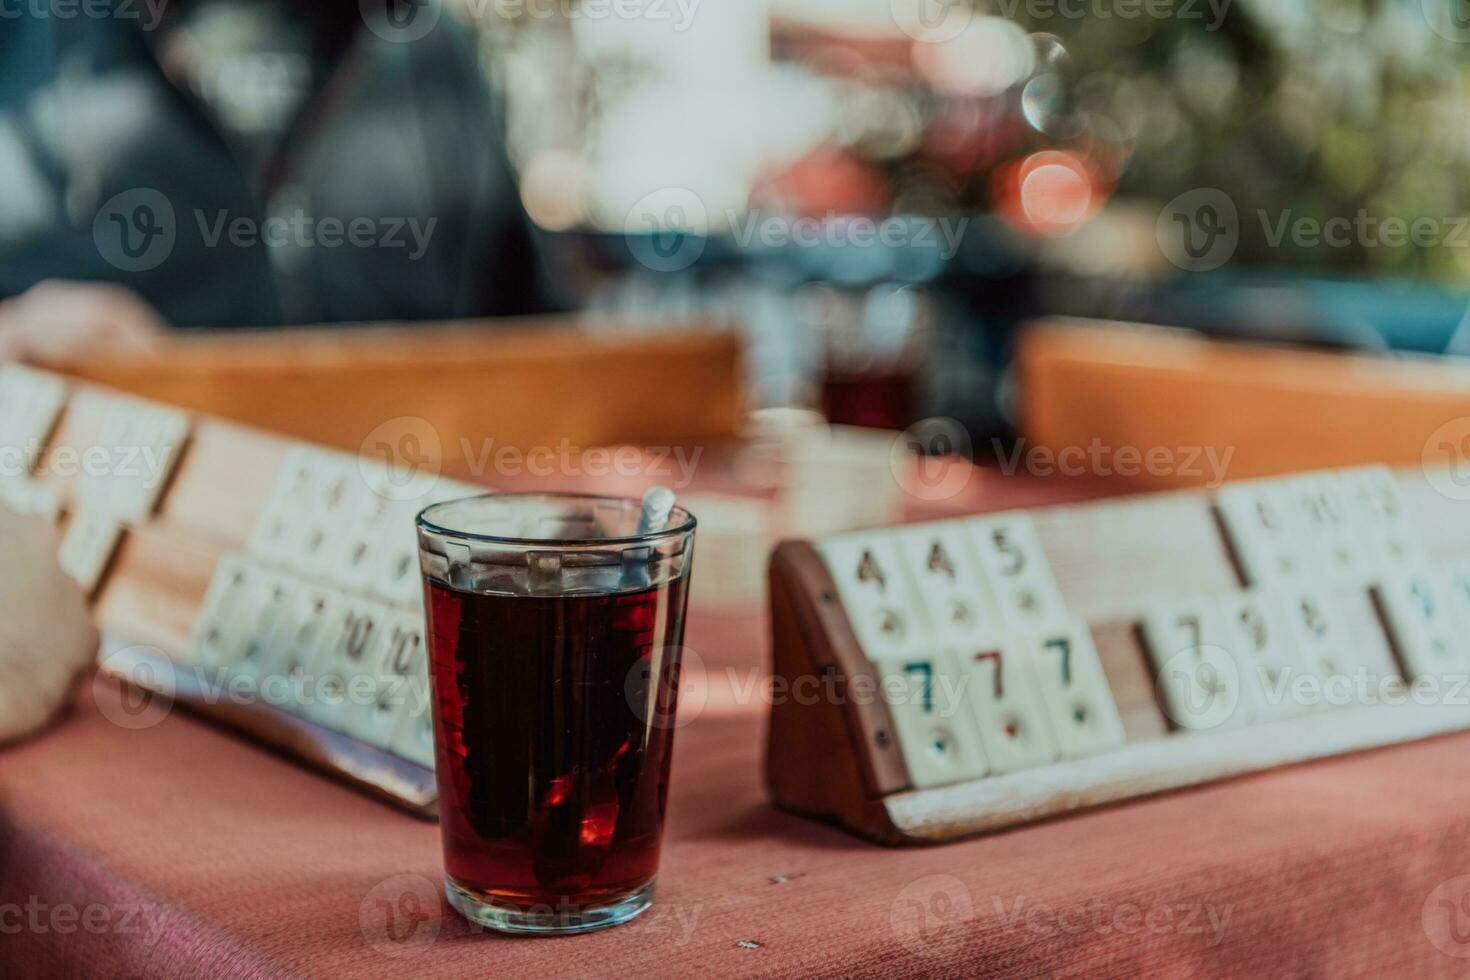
(1160, 765)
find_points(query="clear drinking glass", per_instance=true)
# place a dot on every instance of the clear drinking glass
(554, 635)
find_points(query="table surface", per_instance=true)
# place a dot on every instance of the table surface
(180, 850)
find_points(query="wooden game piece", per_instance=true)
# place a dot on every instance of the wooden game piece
(1260, 524)
(959, 605)
(1456, 581)
(1257, 636)
(88, 545)
(138, 446)
(269, 597)
(1075, 689)
(875, 588)
(282, 521)
(31, 497)
(296, 643)
(353, 627)
(1324, 649)
(1376, 507)
(1322, 513)
(936, 731)
(1418, 612)
(1017, 571)
(1005, 701)
(31, 402)
(218, 623)
(375, 720)
(1202, 684)
(413, 738)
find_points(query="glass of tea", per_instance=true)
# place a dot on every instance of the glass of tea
(555, 624)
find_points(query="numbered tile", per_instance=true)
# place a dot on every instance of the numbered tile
(221, 623)
(346, 666)
(1202, 685)
(1323, 515)
(879, 599)
(1016, 569)
(283, 518)
(331, 510)
(940, 559)
(1417, 610)
(295, 648)
(30, 404)
(1006, 704)
(1377, 508)
(395, 674)
(1259, 523)
(413, 738)
(308, 518)
(1456, 583)
(936, 733)
(1258, 638)
(1324, 648)
(1084, 716)
(359, 557)
(87, 548)
(398, 578)
(142, 443)
(268, 599)
(31, 498)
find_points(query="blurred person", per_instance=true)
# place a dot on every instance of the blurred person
(247, 163)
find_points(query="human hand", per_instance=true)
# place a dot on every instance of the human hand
(46, 635)
(58, 322)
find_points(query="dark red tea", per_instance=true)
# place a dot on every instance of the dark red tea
(554, 739)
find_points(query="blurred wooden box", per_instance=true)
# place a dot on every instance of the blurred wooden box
(526, 383)
(1273, 409)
